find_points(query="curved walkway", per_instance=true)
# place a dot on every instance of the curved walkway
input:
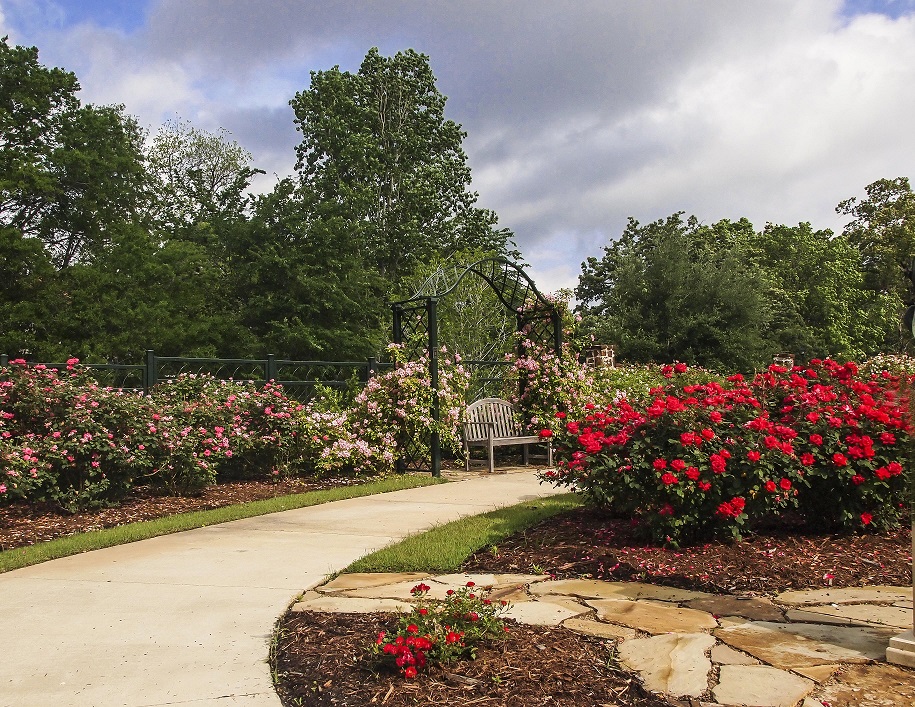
(185, 619)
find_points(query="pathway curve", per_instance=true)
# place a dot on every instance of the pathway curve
(185, 619)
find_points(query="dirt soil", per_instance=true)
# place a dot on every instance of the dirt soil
(322, 659)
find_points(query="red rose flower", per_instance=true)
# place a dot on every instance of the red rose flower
(680, 368)
(770, 486)
(866, 518)
(753, 455)
(839, 459)
(816, 439)
(692, 473)
(784, 484)
(546, 434)
(807, 459)
(678, 464)
(704, 485)
(669, 479)
(857, 479)
(659, 464)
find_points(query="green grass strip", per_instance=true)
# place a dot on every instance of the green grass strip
(445, 547)
(97, 539)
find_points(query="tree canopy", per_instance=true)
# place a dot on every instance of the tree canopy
(112, 241)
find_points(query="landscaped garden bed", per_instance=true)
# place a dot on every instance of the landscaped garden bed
(327, 659)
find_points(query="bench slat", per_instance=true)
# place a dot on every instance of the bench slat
(491, 423)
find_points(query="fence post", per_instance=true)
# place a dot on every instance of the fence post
(372, 370)
(270, 368)
(150, 373)
(4, 360)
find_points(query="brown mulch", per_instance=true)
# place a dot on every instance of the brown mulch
(588, 543)
(21, 524)
(322, 659)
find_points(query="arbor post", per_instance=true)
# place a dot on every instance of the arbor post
(435, 441)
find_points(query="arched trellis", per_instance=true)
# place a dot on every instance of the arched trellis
(416, 327)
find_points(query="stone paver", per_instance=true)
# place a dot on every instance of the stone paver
(811, 617)
(818, 673)
(674, 664)
(329, 604)
(363, 580)
(725, 655)
(760, 686)
(750, 608)
(598, 628)
(400, 590)
(652, 617)
(541, 613)
(790, 646)
(846, 595)
(865, 613)
(596, 589)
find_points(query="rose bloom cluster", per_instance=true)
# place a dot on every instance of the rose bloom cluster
(441, 631)
(693, 461)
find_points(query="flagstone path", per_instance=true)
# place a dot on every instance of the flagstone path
(810, 648)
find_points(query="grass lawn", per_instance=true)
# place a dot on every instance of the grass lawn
(445, 547)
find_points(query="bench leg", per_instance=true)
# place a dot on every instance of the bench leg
(525, 458)
(492, 457)
(466, 457)
(549, 452)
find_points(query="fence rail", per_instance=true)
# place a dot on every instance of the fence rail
(300, 377)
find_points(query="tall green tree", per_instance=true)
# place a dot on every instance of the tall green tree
(883, 230)
(667, 291)
(820, 306)
(380, 166)
(200, 179)
(69, 174)
(308, 294)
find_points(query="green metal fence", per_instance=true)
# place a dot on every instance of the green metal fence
(299, 378)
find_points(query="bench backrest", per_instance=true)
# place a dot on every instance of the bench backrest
(490, 410)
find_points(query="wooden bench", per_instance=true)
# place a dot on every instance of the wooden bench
(491, 423)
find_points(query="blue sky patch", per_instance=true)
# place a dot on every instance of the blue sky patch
(890, 8)
(125, 15)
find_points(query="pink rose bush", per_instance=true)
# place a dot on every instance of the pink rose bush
(695, 460)
(66, 441)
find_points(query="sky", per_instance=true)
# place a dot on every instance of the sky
(579, 114)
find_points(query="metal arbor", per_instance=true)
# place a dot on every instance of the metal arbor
(416, 328)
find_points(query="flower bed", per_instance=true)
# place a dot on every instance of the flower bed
(66, 441)
(703, 459)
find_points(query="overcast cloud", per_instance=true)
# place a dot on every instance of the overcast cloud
(579, 114)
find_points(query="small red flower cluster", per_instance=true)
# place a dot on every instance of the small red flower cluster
(441, 631)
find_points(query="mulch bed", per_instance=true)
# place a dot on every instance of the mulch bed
(21, 524)
(323, 658)
(589, 543)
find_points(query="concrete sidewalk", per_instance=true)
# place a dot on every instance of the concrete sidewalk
(185, 619)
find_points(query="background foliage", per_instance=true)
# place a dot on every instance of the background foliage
(113, 241)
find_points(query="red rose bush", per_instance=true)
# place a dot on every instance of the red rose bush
(696, 460)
